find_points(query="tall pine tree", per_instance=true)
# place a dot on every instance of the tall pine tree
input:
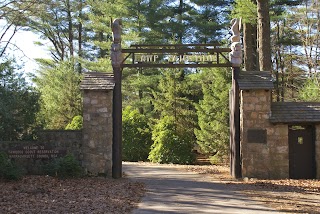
(213, 113)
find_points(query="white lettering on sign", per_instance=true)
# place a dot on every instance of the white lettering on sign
(148, 58)
(175, 58)
(35, 152)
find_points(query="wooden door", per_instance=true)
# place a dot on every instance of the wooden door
(301, 152)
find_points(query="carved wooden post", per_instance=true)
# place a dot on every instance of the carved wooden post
(116, 61)
(236, 60)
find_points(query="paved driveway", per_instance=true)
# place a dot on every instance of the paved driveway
(170, 190)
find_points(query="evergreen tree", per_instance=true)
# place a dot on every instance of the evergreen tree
(174, 99)
(61, 99)
(174, 106)
(139, 87)
(288, 42)
(213, 113)
(209, 20)
(18, 104)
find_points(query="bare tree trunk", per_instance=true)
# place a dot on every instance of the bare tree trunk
(70, 29)
(264, 46)
(180, 33)
(80, 29)
(250, 49)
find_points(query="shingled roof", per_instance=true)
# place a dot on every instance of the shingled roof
(97, 81)
(255, 80)
(295, 112)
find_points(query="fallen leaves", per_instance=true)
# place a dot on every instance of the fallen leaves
(43, 194)
(287, 195)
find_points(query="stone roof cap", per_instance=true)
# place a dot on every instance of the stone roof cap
(295, 112)
(255, 80)
(97, 81)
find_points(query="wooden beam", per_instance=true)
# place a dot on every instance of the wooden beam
(171, 65)
(177, 45)
(178, 51)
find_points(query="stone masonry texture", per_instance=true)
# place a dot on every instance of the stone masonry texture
(97, 132)
(268, 160)
(31, 156)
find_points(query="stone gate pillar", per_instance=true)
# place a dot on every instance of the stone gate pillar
(264, 146)
(97, 123)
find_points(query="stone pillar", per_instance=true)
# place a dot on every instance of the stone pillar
(97, 123)
(254, 110)
(317, 145)
(264, 146)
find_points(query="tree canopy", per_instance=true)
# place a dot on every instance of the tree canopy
(180, 108)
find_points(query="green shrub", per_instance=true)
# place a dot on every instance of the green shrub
(76, 123)
(8, 169)
(66, 167)
(136, 136)
(168, 147)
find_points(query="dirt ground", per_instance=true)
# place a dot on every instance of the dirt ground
(288, 195)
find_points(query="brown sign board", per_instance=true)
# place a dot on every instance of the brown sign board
(176, 56)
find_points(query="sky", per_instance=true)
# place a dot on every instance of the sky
(27, 51)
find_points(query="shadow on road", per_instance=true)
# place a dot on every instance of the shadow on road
(174, 191)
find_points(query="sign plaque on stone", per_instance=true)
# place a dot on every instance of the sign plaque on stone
(35, 152)
(257, 136)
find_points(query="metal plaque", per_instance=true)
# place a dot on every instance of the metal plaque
(257, 136)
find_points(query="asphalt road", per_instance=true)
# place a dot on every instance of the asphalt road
(170, 190)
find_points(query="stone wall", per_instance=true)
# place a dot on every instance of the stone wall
(97, 132)
(317, 145)
(33, 155)
(92, 146)
(68, 140)
(264, 146)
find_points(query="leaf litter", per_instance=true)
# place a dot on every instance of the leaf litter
(43, 194)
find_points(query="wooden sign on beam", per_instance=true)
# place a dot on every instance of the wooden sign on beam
(176, 56)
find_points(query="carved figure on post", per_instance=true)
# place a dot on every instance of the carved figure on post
(235, 56)
(235, 30)
(116, 55)
(116, 27)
